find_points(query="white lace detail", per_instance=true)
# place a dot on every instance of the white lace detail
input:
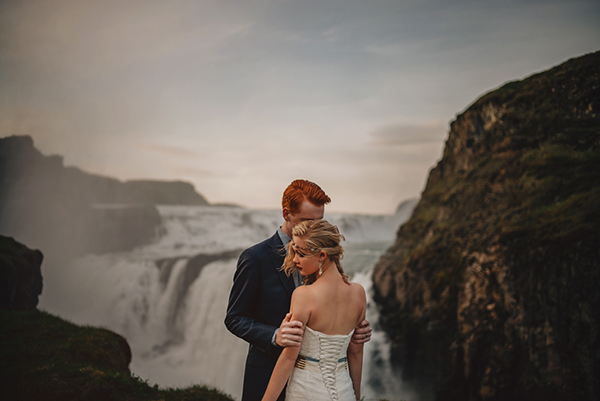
(331, 348)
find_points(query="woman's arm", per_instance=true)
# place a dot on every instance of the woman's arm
(355, 360)
(300, 309)
(355, 350)
(281, 373)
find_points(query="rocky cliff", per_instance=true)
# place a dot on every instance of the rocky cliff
(490, 290)
(20, 275)
(65, 210)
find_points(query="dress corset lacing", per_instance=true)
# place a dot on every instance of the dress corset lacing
(331, 348)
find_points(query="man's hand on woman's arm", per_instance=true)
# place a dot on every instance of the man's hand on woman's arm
(362, 333)
(290, 332)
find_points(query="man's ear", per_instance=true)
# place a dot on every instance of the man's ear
(286, 214)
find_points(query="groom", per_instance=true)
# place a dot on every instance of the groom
(261, 294)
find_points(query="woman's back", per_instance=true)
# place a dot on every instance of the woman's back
(334, 309)
(338, 307)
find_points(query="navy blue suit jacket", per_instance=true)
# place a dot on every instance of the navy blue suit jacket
(258, 302)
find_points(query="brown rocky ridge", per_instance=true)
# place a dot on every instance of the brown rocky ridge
(490, 291)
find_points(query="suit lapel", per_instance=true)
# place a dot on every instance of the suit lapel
(277, 255)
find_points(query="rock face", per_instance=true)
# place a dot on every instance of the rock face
(20, 275)
(66, 210)
(490, 291)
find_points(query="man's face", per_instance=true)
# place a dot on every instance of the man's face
(307, 211)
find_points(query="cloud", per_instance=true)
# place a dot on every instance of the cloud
(191, 173)
(404, 134)
(243, 97)
(92, 39)
(168, 150)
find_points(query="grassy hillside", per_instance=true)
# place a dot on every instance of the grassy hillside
(43, 357)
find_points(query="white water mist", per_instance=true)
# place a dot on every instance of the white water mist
(168, 299)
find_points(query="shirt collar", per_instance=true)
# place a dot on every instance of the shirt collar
(283, 236)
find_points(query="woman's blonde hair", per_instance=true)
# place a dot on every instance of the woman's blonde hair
(318, 235)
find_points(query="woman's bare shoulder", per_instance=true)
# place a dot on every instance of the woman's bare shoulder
(302, 304)
(359, 289)
(304, 292)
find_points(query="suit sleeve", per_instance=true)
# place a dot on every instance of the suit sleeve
(243, 301)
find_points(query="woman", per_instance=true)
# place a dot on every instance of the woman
(327, 365)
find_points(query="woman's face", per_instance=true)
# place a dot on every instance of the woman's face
(306, 261)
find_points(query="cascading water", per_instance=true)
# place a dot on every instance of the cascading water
(168, 299)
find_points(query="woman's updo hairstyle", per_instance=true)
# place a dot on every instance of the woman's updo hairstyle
(318, 235)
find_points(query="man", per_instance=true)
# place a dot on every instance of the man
(260, 298)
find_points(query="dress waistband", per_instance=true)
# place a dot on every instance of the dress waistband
(301, 361)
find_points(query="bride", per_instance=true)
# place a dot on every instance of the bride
(328, 365)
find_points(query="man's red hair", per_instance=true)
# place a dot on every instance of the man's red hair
(298, 191)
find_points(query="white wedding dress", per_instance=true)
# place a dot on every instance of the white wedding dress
(321, 370)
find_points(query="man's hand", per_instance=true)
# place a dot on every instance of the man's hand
(362, 333)
(290, 332)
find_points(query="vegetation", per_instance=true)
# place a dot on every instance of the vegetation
(47, 358)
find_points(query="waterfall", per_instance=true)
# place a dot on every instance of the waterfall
(169, 298)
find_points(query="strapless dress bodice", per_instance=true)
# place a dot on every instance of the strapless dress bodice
(321, 371)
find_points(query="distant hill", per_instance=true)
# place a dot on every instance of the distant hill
(490, 291)
(65, 210)
(23, 168)
(407, 206)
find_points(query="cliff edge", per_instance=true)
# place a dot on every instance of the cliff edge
(490, 289)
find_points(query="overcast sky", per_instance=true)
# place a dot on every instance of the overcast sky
(242, 97)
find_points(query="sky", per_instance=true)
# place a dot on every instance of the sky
(242, 97)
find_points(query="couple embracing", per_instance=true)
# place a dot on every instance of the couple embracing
(292, 301)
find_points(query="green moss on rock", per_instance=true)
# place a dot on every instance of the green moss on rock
(47, 358)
